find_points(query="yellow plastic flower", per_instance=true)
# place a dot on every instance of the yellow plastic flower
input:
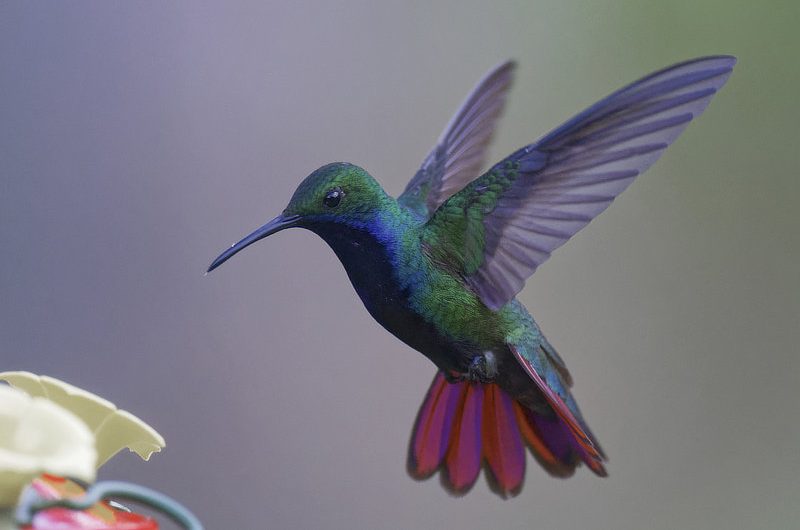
(113, 429)
(38, 436)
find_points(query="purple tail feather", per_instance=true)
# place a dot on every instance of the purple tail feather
(463, 426)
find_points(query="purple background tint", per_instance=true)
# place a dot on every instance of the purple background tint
(138, 139)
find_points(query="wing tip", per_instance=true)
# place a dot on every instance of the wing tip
(509, 65)
(730, 59)
(724, 60)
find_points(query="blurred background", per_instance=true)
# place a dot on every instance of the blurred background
(139, 139)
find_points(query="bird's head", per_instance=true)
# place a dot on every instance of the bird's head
(337, 193)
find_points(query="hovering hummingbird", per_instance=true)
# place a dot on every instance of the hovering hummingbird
(439, 267)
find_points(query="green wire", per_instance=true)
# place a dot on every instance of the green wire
(32, 503)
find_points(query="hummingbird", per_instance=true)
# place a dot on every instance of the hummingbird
(440, 266)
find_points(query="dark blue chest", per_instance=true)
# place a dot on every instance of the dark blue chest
(370, 265)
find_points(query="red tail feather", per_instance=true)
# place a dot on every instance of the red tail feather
(432, 432)
(540, 450)
(502, 444)
(464, 454)
(461, 426)
(592, 453)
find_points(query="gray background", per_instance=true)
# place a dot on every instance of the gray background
(139, 139)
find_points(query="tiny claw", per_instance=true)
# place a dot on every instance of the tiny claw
(454, 377)
(483, 368)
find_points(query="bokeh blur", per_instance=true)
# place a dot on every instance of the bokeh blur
(139, 139)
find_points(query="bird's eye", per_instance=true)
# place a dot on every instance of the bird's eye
(333, 197)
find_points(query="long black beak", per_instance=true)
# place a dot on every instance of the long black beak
(276, 225)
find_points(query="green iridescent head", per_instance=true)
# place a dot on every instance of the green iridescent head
(337, 192)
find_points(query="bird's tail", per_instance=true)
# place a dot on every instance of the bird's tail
(462, 426)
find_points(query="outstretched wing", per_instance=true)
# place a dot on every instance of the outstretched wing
(460, 151)
(501, 227)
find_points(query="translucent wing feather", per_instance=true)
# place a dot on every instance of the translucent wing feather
(501, 227)
(460, 151)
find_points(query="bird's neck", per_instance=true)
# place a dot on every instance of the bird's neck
(374, 252)
(391, 274)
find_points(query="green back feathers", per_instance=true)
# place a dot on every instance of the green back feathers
(460, 152)
(456, 234)
(500, 228)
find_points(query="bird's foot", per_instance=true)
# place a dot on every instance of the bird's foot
(482, 369)
(453, 377)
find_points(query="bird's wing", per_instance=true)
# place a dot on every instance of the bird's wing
(501, 227)
(458, 156)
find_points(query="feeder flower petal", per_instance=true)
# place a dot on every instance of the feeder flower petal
(38, 436)
(113, 429)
